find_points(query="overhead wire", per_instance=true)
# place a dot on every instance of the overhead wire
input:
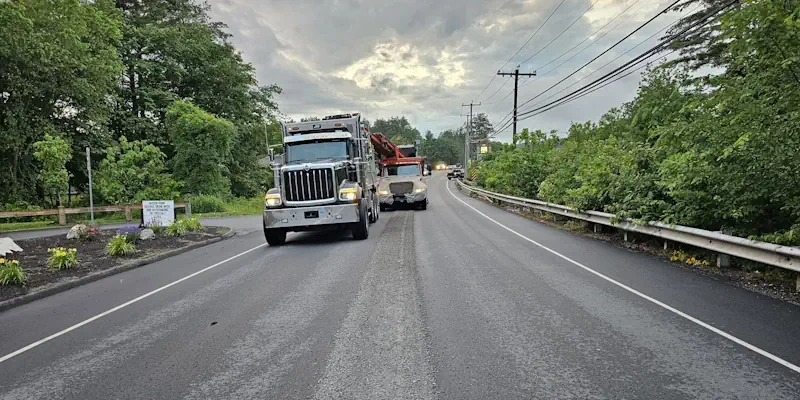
(637, 60)
(562, 32)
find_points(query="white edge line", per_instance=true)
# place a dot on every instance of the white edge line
(121, 306)
(720, 332)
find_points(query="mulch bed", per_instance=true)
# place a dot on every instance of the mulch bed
(91, 256)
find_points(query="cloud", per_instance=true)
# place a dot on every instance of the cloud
(423, 59)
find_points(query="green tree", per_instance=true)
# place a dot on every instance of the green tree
(397, 129)
(53, 153)
(202, 145)
(59, 65)
(135, 171)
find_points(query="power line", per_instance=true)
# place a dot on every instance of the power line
(562, 32)
(574, 55)
(537, 31)
(523, 46)
(605, 51)
(497, 91)
(619, 70)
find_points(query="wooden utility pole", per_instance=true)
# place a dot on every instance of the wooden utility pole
(516, 76)
(467, 136)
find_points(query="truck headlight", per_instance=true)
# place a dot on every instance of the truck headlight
(348, 194)
(273, 199)
(419, 190)
(383, 192)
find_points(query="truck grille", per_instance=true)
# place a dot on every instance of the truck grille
(401, 187)
(314, 184)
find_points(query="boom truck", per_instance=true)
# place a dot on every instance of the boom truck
(328, 180)
(402, 175)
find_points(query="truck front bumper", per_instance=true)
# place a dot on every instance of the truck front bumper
(309, 217)
(410, 198)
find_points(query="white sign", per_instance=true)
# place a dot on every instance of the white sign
(158, 212)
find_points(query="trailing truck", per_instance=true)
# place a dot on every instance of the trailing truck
(402, 176)
(327, 180)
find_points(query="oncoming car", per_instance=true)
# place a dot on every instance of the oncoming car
(402, 184)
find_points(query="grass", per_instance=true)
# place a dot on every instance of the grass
(235, 206)
(238, 206)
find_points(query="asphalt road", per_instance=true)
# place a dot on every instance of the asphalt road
(456, 302)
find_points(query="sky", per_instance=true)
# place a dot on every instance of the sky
(424, 59)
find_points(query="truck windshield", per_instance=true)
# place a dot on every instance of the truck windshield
(401, 170)
(316, 151)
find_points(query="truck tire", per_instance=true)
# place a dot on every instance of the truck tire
(275, 237)
(361, 228)
(424, 205)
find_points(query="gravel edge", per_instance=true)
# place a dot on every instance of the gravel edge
(61, 287)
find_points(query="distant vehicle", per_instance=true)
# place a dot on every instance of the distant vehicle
(328, 180)
(402, 183)
(455, 171)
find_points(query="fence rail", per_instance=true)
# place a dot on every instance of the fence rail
(726, 245)
(62, 212)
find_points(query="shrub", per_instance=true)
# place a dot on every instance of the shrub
(11, 273)
(135, 171)
(120, 246)
(177, 229)
(61, 258)
(131, 233)
(191, 224)
(207, 204)
(157, 229)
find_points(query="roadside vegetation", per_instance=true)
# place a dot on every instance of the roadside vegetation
(716, 151)
(157, 92)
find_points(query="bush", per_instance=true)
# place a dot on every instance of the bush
(11, 273)
(207, 204)
(131, 233)
(191, 224)
(135, 171)
(177, 229)
(61, 258)
(120, 246)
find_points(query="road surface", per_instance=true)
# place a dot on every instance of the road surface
(456, 302)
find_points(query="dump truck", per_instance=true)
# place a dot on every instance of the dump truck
(402, 175)
(326, 180)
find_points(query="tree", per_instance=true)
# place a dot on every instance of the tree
(53, 153)
(135, 171)
(59, 65)
(202, 145)
(397, 129)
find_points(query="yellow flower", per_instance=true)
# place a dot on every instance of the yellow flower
(2, 260)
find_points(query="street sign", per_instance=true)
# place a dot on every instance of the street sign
(158, 212)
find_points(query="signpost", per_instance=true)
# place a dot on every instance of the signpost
(158, 212)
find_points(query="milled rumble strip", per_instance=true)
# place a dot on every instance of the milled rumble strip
(381, 350)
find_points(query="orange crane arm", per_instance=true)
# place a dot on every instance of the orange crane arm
(383, 146)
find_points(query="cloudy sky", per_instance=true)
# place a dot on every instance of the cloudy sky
(424, 58)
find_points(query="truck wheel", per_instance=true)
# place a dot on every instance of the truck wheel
(361, 228)
(275, 237)
(383, 207)
(424, 205)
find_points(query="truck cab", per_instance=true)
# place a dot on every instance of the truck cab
(327, 180)
(403, 183)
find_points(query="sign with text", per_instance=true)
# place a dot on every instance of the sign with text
(158, 212)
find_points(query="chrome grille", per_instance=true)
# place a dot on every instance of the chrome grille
(401, 187)
(314, 184)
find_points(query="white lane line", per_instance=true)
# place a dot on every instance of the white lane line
(720, 332)
(121, 306)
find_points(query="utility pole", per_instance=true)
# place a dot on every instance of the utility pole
(467, 136)
(516, 76)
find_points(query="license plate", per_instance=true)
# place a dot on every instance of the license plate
(322, 213)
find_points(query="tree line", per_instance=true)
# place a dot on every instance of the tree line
(154, 88)
(719, 151)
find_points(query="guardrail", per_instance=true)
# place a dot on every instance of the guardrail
(62, 212)
(725, 245)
